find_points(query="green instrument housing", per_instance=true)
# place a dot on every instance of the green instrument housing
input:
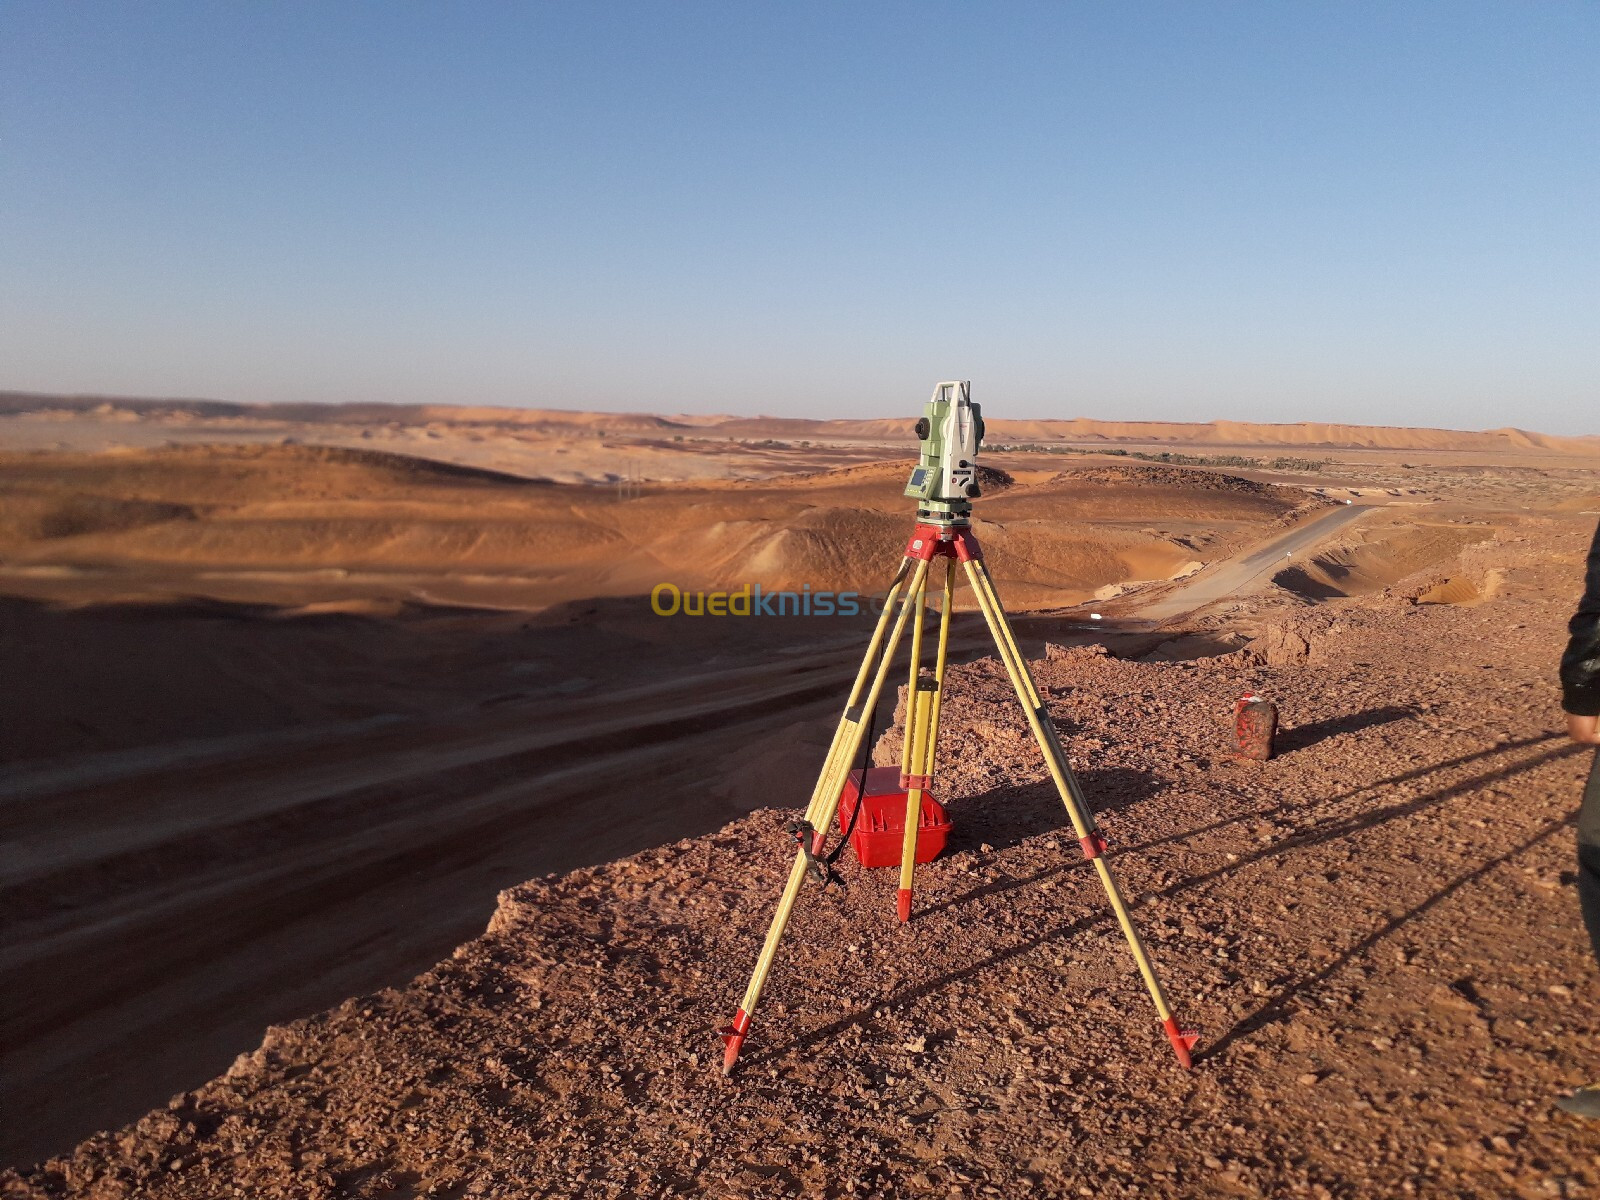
(945, 479)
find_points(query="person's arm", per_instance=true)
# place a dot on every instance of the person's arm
(1580, 665)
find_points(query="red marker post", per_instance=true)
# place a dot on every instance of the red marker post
(1255, 727)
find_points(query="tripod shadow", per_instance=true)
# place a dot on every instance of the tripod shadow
(1410, 776)
(1007, 816)
(1331, 830)
(1300, 736)
(1249, 815)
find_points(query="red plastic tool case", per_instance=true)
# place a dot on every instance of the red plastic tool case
(877, 835)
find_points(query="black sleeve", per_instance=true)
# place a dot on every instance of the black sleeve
(1580, 665)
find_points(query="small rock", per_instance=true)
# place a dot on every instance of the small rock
(1309, 1079)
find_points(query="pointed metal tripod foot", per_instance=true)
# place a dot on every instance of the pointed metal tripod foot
(733, 1035)
(1182, 1040)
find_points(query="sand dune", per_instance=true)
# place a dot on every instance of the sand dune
(218, 520)
(556, 422)
(1376, 558)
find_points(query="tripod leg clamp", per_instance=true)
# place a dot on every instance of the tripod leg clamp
(1093, 843)
(809, 842)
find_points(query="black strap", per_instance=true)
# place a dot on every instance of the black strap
(821, 865)
(861, 792)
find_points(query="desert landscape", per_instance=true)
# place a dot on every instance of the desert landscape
(368, 834)
(473, 487)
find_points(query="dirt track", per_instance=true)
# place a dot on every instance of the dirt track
(1239, 573)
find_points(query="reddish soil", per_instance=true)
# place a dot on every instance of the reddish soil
(1373, 932)
(282, 719)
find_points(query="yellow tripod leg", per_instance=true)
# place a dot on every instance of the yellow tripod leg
(910, 754)
(825, 796)
(922, 739)
(852, 708)
(919, 706)
(820, 813)
(909, 743)
(942, 658)
(1072, 796)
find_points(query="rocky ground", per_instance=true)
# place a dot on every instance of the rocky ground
(1375, 934)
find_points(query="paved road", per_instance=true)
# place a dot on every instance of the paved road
(1234, 575)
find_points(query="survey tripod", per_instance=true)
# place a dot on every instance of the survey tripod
(943, 530)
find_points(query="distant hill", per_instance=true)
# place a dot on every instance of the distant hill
(1079, 430)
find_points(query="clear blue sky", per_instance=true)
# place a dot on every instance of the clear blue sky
(1382, 213)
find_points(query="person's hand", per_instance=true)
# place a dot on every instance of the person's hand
(1583, 730)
